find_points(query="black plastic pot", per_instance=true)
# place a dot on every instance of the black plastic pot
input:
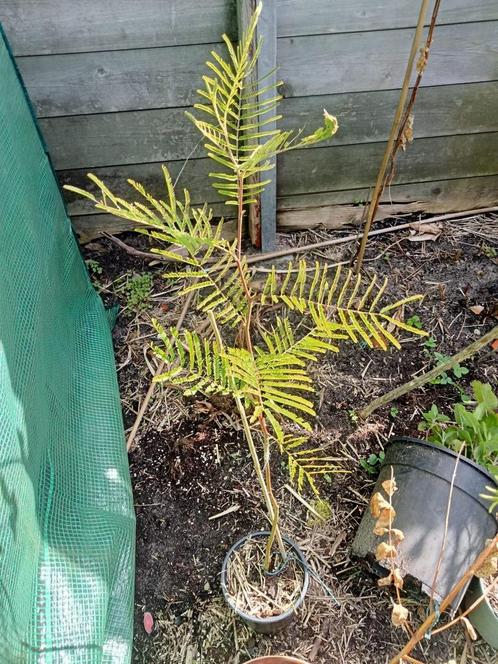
(423, 473)
(272, 624)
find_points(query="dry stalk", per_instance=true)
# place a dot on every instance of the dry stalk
(400, 123)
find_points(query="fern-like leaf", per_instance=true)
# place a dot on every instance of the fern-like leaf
(340, 303)
(234, 117)
(306, 463)
(194, 364)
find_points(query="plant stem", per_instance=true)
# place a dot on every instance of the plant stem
(240, 214)
(259, 471)
(413, 384)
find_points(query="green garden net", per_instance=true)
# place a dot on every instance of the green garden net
(66, 510)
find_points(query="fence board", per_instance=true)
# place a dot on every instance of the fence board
(294, 212)
(90, 141)
(317, 169)
(167, 77)
(37, 27)
(316, 17)
(377, 60)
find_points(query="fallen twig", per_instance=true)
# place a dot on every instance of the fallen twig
(417, 382)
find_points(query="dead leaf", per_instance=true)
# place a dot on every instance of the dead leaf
(422, 60)
(470, 628)
(476, 309)
(424, 232)
(385, 581)
(407, 135)
(494, 344)
(148, 622)
(384, 551)
(380, 530)
(397, 535)
(397, 579)
(389, 486)
(386, 517)
(399, 615)
(377, 504)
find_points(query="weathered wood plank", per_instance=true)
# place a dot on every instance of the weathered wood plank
(114, 80)
(297, 212)
(364, 61)
(36, 27)
(431, 194)
(167, 77)
(354, 166)
(90, 141)
(315, 170)
(316, 17)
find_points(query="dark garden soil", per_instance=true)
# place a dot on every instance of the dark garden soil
(190, 465)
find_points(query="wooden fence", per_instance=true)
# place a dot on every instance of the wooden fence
(110, 82)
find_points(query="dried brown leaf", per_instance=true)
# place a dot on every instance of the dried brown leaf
(389, 486)
(380, 530)
(384, 551)
(476, 309)
(377, 504)
(397, 535)
(397, 579)
(386, 517)
(399, 615)
(385, 581)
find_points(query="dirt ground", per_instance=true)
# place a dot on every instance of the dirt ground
(190, 463)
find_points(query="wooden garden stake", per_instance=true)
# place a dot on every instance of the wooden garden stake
(397, 129)
(413, 384)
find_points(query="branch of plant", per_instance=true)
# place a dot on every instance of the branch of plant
(424, 378)
(409, 107)
(145, 403)
(446, 602)
(389, 153)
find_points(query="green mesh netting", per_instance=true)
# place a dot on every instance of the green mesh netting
(66, 511)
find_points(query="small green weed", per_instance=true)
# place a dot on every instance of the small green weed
(394, 412)
(488, 251)
(415, 321)
(373, 463)
(430, 343)
(93, 267)
(138, 290)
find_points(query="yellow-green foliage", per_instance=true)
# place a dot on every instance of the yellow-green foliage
(264, 366)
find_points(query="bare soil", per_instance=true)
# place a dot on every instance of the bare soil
(190, 463)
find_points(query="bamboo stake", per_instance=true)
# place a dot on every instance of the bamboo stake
(413, 384)
(388, 153)
(429, 621)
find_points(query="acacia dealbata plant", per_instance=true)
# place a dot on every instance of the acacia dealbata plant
(259, 358)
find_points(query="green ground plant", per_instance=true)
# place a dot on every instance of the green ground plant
(262, 340)
(476, 428)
